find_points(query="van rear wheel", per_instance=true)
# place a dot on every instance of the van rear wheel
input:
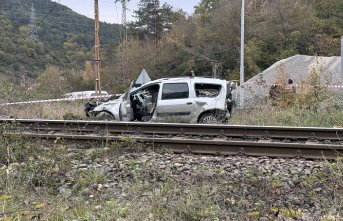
(210, 118)
(104, 115)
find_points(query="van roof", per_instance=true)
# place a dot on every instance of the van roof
(207, 80)
(194, 79)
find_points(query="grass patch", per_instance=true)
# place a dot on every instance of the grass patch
(60, 111)
(293, 116)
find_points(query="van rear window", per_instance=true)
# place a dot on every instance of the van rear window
(207, 90)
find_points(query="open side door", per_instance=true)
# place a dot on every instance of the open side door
(128, 105)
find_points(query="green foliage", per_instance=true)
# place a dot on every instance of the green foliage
(33, 171)
(123, 212)
(65, 38)
(329, 27)
(88, 179)
(13, 148)
(41, 174)
(51, 80)
(153, 20)
(205, 8)
(54, 82)
(9, 91)
(274, 30)
(169, 200)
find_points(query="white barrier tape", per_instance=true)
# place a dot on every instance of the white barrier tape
(334, 86)
(57, 100)
(328, 86)
(296, 85)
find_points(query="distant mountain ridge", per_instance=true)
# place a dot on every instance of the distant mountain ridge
(65, 38)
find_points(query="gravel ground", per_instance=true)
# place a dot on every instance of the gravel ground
(243, 187)
(160, 185)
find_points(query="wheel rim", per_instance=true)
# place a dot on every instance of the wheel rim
(210, 119)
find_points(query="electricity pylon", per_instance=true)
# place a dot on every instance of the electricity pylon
(33, 28)
(123, 18)
(123, 58)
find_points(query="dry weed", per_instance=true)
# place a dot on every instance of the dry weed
(45, 110)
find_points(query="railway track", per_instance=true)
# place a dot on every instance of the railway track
(303, 142)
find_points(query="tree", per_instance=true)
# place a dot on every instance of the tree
(52, 82)
(329, 27)
(153, 20)
(205, 8)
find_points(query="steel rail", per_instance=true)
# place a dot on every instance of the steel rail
(252, 140)
(220, 130)
(217, 146)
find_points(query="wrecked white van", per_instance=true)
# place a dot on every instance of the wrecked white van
(179, 100)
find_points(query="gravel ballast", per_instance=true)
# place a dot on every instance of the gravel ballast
(242, 187)
(159, 185)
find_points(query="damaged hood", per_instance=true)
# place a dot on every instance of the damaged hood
(106, 105)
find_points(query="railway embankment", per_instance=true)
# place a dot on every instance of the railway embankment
(131, 181)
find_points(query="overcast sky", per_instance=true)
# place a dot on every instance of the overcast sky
(111, 12)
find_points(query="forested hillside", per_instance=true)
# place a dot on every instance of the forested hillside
(63, 38)
(274, 30)
(164, 41)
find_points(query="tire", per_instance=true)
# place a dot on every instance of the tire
(210, 118)
(104, 115)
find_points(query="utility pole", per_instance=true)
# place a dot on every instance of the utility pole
(342, 56)
(241, 75)
(97, 48)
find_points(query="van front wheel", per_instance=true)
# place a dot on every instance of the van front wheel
(104, 115)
